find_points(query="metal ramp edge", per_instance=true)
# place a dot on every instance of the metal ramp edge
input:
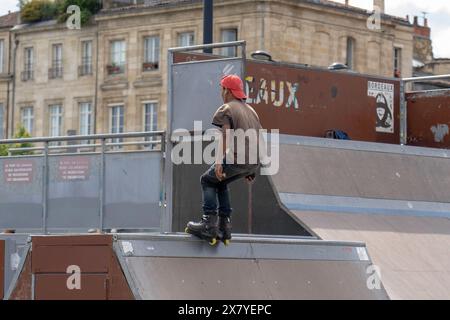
(160, 266)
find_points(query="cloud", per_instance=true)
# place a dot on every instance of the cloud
(8, 5)
(438, 13)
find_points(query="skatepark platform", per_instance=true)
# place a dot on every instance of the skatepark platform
(179, 266)
(395, 199)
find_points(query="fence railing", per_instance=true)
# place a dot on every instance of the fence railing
(84, 185)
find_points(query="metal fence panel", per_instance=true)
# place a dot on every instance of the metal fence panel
(132, 190)
(196, 91)
(429, 119)
(73, 196)
(21, 192)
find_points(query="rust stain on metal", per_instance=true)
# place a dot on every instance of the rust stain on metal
(299, 100)
(54, 287)
(308, 102)
(72, 240)
(2, 268)
(429, 119)
(100, 274)
(22, 290)
(90, 258)
(118, 285)
(55, 253)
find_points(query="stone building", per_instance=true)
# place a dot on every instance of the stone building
(6, 83)
(111, 76)
(424, 63)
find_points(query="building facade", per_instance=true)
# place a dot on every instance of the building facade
(111, 76)
(6, 84)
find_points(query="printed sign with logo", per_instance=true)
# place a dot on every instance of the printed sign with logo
(16, 171)
(73, 168)
(384, 96)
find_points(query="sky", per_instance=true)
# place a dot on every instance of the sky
(438, 13)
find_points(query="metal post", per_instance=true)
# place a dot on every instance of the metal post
(403, 115)
(102, 183)
(45, 189)
(208, 24)
(162, 195)
(33, 286)
(243, 75)
(250, 208)
(166, 217)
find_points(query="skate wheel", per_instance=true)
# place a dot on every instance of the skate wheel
(186, 230)
(227, 242)
(213, 242)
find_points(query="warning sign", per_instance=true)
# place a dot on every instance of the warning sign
(73, 168)
(18, 171)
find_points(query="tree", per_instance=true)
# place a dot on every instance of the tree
(22, 3)
(41, 10)
(4, 150)
(38, 10)
(87, 7)
(21, 134)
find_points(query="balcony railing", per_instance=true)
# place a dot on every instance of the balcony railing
(27, 75)
(55, 72)
(85, 69)
(115, 69)
(150, 66)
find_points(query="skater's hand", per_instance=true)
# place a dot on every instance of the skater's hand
(219, 172)
(251, 178)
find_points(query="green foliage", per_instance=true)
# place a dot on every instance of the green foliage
(4, 150)
(38, 10)
(21, 134)
(22, 3)
(41, 10)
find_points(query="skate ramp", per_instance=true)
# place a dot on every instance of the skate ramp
(413, 253)
(182, 267)
(393, 198)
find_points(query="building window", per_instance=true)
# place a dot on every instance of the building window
(56, 71)
(150, 119)
(117, 121)
(186, 39)
(229, 35)
(55, 129)
(118, 57)
(28, 73)
(1, 121)
(2, 56)
(350, 53)
(28, 119)
(86, 120)
(86, 58)
(151, 53)
(397, 62)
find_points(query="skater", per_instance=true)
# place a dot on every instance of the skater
(234, 114)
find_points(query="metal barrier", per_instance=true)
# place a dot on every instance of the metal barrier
(81, 186)
(416, 126)
(194, 95)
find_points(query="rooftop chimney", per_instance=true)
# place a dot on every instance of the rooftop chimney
(379, 4)
(423, 31)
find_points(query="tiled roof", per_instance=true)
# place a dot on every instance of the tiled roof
(9, 20)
